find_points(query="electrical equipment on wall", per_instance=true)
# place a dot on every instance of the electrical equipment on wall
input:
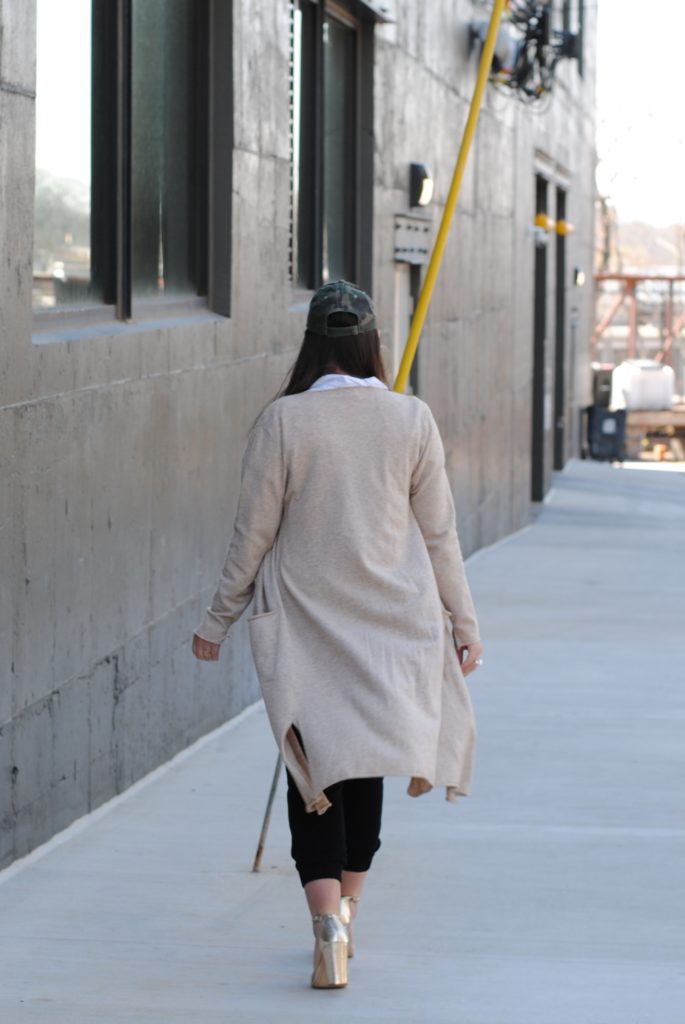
(528, 49)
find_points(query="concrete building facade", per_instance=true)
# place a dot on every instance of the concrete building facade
(123, 415)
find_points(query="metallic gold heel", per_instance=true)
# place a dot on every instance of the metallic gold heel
(330, 953)
(346, 918)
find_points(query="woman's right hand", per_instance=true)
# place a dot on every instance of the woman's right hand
(205, 650)
(470, 657)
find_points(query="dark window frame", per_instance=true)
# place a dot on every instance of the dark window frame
(566, 15)
(575, 25)
(308, 214)
(111, 207)
(581, 38)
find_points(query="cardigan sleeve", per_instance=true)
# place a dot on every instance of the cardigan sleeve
(432, 504)
(258, 517)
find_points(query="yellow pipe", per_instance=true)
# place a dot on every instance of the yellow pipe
(451, 204)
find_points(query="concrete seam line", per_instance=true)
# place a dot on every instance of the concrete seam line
(82, 823)
(18, 90)
(123, 381)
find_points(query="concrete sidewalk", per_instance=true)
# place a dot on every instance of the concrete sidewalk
(554, 894)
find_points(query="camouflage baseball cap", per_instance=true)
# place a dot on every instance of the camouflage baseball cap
(340, 297)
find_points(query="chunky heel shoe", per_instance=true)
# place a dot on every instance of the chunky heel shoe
(346, 918)
(330, 952)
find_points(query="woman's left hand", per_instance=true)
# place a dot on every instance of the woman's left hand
(470, 657)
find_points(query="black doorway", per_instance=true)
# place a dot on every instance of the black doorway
(560, 337)
(539, 343)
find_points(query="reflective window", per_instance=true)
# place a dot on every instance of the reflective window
(331, 92)
(122, 152)
(62, 245)
(339, 150)
(164, 160)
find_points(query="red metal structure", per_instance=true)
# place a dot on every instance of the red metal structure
(628, 294)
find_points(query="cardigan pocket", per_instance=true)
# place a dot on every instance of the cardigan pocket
(264, 630)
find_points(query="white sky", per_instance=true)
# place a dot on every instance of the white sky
(640, 119)
(63, 89)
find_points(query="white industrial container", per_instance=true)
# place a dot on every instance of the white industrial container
(642, 384)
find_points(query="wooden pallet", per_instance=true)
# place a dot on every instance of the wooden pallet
(666, 426)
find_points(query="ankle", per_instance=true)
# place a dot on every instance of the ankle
(348, 908)
(319, 913)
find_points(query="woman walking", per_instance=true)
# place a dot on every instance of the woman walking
(362, 623)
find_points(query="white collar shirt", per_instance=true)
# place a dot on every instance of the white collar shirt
(329, 381)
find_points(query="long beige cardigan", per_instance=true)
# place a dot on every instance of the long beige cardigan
(345, 541)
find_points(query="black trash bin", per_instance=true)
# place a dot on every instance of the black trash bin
(601, 383)
(606, 433)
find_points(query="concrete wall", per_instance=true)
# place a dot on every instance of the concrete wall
(120, 446)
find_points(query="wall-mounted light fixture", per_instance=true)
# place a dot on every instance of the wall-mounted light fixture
(541, 229)
(545, 222)
(420, 185)
(578, 277)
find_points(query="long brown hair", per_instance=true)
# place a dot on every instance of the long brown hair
(359, 355)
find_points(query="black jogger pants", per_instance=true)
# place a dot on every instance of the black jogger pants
(343, 838)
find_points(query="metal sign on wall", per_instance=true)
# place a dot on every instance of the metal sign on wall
(412, 239)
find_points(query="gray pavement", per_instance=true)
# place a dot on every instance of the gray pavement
(554, 894)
